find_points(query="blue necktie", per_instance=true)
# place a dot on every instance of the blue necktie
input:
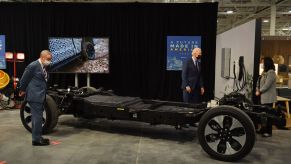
(197, 66)
(45, 73)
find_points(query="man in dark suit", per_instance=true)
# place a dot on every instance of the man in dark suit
(33, 85)
(192, 82)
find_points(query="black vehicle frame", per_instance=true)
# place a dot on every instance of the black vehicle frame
(226, 132)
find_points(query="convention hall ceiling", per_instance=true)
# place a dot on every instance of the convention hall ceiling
(231, 13)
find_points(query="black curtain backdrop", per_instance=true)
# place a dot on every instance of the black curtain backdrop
(137, 32)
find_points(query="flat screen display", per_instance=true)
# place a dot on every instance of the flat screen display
(179, 49)
(2, 52)
(79, 54)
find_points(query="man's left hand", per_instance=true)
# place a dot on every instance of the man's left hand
(202, 91)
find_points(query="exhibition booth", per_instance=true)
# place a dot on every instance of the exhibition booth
(116, 71)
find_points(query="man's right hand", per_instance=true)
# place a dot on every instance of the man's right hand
(258, 93)
(188, 89)
(21, 93)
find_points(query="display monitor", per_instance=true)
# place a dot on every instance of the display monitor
(79, 54)
(179, 49)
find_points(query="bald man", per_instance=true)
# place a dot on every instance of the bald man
(192, 82)
(33, 85)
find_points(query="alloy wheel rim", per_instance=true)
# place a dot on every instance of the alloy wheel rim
(225, 135)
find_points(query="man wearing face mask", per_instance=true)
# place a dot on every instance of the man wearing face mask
(192, 83)
(33, 85)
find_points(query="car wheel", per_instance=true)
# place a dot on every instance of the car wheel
(226, 133)
(89, 50)
(50, 115)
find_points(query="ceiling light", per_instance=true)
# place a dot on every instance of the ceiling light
(289, 11)
(229, 12)
(9, 55)
(286, 28)
(20, 56)
(266, 20)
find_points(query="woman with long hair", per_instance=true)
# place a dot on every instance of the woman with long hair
(266, 88)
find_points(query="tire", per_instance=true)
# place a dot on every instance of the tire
(226, 133)
(88, 50)
(50, 115)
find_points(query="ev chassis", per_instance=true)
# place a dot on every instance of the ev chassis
(225, 132)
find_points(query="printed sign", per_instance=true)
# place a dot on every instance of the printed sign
(179, 48)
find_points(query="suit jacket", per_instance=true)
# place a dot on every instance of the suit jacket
(191, 76)
(267, 87)
(33, 83)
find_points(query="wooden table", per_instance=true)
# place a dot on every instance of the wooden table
(282, 99)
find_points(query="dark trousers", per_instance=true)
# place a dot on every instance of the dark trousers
(267, 128)
(193, 97)
(37, 119)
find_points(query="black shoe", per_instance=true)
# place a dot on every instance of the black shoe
(45, 140)
(41, 142)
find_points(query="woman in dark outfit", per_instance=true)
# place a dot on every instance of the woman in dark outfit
(266, 87)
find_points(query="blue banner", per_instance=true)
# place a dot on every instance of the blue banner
(179, 49)
(2, 52)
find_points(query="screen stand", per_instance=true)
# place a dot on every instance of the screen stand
(88, 79)
(76, 80)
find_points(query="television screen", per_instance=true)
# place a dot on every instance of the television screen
(179, 49)
(2, 52)
(79, 55)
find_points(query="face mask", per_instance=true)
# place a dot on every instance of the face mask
(47, 63)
